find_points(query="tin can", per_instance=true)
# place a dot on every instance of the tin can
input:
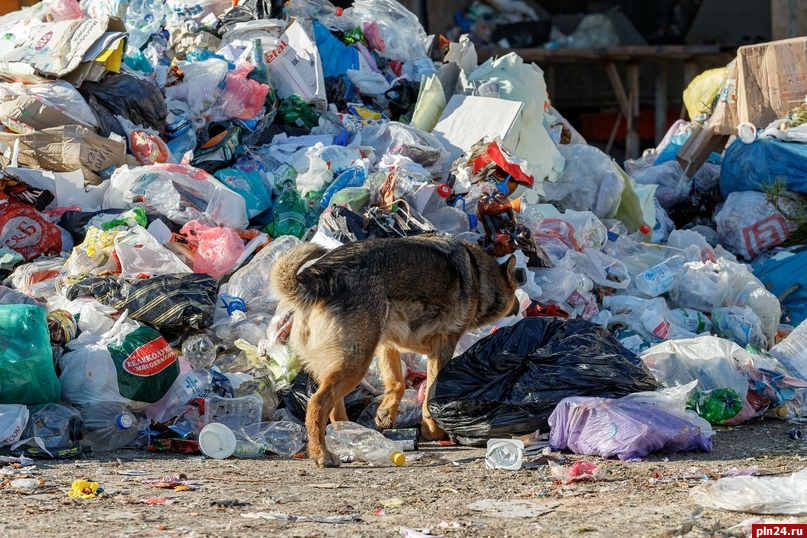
(62, 326)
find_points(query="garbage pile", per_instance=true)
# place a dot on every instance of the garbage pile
(153, 177)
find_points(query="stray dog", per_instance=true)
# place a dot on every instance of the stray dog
(381, 296)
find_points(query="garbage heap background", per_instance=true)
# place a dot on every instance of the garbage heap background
(158, 158)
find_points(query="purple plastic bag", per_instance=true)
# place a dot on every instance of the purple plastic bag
(629, 430)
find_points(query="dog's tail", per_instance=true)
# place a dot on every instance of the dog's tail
(291, 284)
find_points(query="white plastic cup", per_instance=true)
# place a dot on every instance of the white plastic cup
(747, 132)
(504, 454)
(217, 441)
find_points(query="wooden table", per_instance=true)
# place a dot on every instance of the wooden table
(628, 99)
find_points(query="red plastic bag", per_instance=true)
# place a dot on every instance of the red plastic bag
(25, 230)
(217, 250)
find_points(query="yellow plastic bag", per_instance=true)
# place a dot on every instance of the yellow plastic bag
(700, 96)
(82, 489)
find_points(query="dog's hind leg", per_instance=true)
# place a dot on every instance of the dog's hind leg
(339, 413)
(441, 352)
(389, 364)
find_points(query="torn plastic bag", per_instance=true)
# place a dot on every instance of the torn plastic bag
(26, 361)
(400, 139)
(180, 192)
(714, 362)
(217, 250)
(141, 255)
(749, 224)
(508, 383)
(629, 430)
(131, 364)
(186, 300)
(139, 101)
(755, 495)
(249, 10)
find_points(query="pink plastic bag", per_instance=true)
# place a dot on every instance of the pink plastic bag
(64, 10)
(218, 248)
(242, 98)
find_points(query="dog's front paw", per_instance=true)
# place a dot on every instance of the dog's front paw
(327, 459)
(430, 431)
(385, 417)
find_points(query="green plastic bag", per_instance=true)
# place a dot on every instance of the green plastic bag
(27, 375)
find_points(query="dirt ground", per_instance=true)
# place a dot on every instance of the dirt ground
(234, 497)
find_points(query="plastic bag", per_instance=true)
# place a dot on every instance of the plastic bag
(58, 94)
(403, 36)
(137, 100)
(740, 325)
(63, 10)
(242, 98)
(141, 255)
(673, 184)
(13, 418)
(250, 186)
(26, 362)
(23, 229)
(755, 495)
(180, 192)
(146, 144)
(95, 254)
(784, 161)
(749, 224)
(131, 364)
(590, 182)
(38, 279)
(714, 362)
(400, 139)
(779, 274)
(251, 282)
(509, 382)
(217, 249)
(165, 301)
(700, 96)
(627, 429)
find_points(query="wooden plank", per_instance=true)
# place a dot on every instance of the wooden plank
(632, 136)
(665, 52)
(619, 89)
(661, 100)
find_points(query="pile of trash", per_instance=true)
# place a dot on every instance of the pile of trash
(153, 177)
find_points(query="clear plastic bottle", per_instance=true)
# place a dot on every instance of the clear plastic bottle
(452, 220)
(792, 351)
(108, 426)
(284, 438)
(199, 350)
(660, 278)
(356, 441)
(352, 177)
(194, 384)
(289, 212)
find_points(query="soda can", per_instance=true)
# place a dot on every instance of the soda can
(62, 326)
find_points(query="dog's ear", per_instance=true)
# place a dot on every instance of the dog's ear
(509, 270)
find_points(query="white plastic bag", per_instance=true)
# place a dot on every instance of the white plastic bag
(13, 418)
(749, 224)
(756, 495)
(141, 254)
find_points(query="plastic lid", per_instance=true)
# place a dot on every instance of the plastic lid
(339, 11)
(781, 411)
(645, 229)
(217, 441)
(124, 421)
(398, 458)
(443, 190)
(473, 221)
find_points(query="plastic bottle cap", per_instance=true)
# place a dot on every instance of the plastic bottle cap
(124, 421)
(217, 441)
(781, 411)
(443, 190)
(503, 187)
(473, 221)
(339, 11)
(398, 458)
(645, 229)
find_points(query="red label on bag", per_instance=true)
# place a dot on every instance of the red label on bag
(25, 230)
(150, 358)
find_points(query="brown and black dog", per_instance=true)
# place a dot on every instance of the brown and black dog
(382, 296)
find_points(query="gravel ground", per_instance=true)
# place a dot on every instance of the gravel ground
(438, 492)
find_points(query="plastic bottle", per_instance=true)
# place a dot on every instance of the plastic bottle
(354, 440)
(452, 220)
(792, 351)
(218, 441)
(717, 405)
(351, 177)
(194, 384)
(289, 212)
(260, 71)
(199, 350)
(691, 320)
(284, 438)
(660, 278)
(57, 426)
(108, 426)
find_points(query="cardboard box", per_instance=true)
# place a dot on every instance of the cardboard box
(64, 149)
(25, 113)
(771, 80)
(73, 50)
(700, 144)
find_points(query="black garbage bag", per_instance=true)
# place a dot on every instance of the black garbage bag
(139, 101)
(296, 398)
(510, 382)
(164, 301)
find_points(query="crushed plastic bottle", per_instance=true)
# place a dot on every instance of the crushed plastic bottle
(284, 438)
(54, 427)
(717, 405)
(660, 278)
(200, 351)
(108, 426)
(355, 441)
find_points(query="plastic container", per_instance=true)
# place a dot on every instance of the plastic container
(355, 441)
(660, 278)
(691, 320)
(108, 426)
(284, 438)
(234, 413)
(504, 454)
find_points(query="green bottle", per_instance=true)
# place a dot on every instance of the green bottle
(260, 71)
(289, 212)
(717, 405)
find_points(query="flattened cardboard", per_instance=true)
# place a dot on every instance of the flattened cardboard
(25, 113)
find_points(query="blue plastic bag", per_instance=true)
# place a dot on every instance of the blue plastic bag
(784, 276)
(749, 167)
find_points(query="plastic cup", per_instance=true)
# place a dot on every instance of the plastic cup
(504, 454)
(747, 132)
(217, 441)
